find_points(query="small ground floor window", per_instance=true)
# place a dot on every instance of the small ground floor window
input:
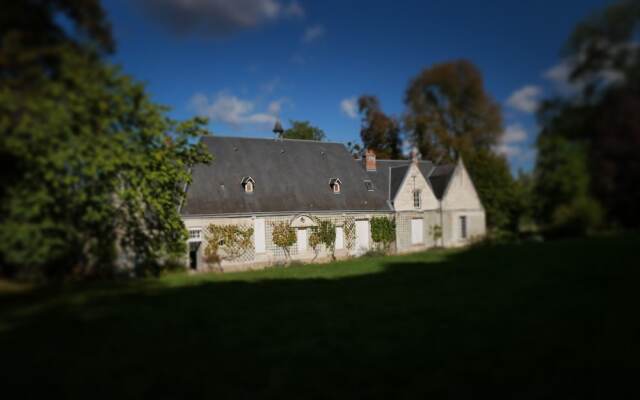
(463, 226)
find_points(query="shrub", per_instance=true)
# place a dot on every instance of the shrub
(436, 233)
(383, 232)
(581, 216)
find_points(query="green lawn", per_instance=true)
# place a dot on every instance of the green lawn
(558, 319)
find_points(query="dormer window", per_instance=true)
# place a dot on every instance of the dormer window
(369, 185)
(248, 184)
(335, 185)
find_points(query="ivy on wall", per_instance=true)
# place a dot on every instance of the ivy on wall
(383, 231)
(349, 230)
(325, 233)
(436, 233)
(226, 242)
(283, 236)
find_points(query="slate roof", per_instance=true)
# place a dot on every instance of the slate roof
(293, 176)
(440, 178)
(290, 176)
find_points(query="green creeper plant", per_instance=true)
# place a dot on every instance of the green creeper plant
(226, 242)
(283, 236)
(383, 232)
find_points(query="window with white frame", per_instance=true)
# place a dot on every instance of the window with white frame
(248, 184)
(335, 185)
(417, 199)
(463, 226)
(194, 234)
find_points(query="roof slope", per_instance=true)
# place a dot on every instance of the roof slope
(290, 176)
(440, 178)
(389, 174)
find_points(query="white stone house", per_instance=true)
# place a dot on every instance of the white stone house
(258, 182)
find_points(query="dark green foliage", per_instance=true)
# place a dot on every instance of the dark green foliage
(325, 233)
(539, 320)
(379, 132)
(496, 187)
(601, 119)
(96, 170)
(304, 130)
(383, 231)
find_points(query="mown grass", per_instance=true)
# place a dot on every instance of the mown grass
(557, 319)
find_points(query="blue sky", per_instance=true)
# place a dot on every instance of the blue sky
(244, 63)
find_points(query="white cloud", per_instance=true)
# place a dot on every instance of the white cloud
(525, 99)
(298, 59)
(218, 17)
(271, 85)
(313, 33)
(234, 111)
(349, 107)
(514, 133)
(559, 75)
(510, 143)
(294, 9)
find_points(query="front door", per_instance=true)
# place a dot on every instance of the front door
(193, 254)
(302, 240)
(416, 231)
(362, 236)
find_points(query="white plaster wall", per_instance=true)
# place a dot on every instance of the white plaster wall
(476, 227)
(273, 253)
(404, 198)
(403, 229)
(461, 194)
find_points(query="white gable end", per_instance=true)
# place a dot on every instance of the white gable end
(461, 193)
(414, 180)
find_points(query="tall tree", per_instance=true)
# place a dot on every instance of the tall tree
(449, 112)
(303, 130)
(98, 169)
(379, 131)
(600, 118)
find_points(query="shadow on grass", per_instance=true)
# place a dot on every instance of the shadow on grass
(531, 321)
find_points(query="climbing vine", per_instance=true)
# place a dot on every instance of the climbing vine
(383, 232)
(325, 233)
(226, 242)
(436, 233)
(349, 230)
(284, 236)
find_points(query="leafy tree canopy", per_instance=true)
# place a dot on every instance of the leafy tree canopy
(379, 132)
(96, 169)
(600, 118)
(449, 112)
(303, 130)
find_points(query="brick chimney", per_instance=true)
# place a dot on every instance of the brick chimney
(370, 160)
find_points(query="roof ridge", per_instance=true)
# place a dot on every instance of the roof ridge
(271, 139)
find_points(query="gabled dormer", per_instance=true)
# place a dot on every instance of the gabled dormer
(248, 184)
(336, 185)
(411, 190)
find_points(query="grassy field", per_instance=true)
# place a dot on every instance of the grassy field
(538, 320)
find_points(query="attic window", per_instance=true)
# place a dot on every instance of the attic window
(248, 184)
(369, 185)
(417, 199)
(335, 185)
